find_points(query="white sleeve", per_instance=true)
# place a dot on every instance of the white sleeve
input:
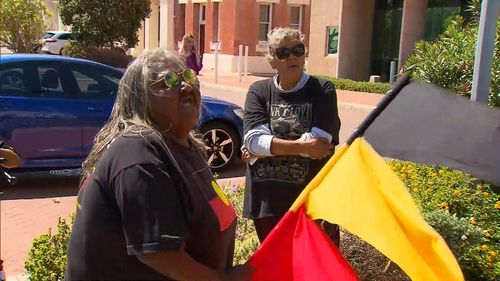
(258, 141)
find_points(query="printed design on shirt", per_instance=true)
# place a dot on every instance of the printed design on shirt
(290, 121)
(222, 207)
(287, 121)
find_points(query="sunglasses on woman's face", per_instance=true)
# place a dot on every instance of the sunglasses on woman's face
(173, 79)
(284, 52)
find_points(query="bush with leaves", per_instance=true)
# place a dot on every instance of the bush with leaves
(246, 238)
(21, 24)
(466, 202)
(449, 60)
(359, 86)
(102, 23)
(115, 57)
(47, 256)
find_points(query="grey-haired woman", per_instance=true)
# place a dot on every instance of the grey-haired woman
(148, 207)
(291, 125)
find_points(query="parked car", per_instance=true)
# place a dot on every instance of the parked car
(54, 41)
(51, 107)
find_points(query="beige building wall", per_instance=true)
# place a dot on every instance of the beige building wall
(157, 30)
(139, 48)
(54, 21)
(167, 33)
(323, 13)
(412, 27)
(151, 39)
(355, 39)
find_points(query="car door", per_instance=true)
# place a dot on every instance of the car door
(97, 86)
(61, 42)
(37, 116)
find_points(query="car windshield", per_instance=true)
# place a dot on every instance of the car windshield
(47, 35)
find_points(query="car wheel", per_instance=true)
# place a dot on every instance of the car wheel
(222, 144)
(60, 51)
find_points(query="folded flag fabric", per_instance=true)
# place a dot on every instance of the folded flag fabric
(298, 250)
(357, 190)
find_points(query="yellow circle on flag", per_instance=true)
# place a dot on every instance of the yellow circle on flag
(219, 192)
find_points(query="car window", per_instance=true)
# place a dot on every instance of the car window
(47, 35)
(64, 36)
(50, 81)
(95, 82)
(12, 81)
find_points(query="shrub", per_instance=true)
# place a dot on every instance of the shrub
(73, 49)
(115, 57)
(22, 24)
(102, 23)
(246, 238)
(359, 86)
(449, 60)
(467, 202)
(47, 256)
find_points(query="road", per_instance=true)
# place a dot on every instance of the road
(32, 208)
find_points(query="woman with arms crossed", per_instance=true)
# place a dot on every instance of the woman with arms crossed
(291, 126)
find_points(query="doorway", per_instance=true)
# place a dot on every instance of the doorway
(201, 34)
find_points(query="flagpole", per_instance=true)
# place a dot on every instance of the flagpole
(388, 98)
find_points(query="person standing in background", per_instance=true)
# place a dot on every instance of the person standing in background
(188, 52)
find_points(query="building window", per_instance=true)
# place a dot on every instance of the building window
(296, 17)
(264, 21)
(203, 10)
(332, 40)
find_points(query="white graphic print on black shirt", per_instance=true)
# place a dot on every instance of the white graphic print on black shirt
(287, 121)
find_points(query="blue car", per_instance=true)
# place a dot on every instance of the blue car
(51, 107)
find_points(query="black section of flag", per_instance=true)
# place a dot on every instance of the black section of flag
(427, 124)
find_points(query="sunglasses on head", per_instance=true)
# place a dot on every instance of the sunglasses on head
(173, 79)
(284, 52)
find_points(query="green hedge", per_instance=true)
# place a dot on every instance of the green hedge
(358, 86)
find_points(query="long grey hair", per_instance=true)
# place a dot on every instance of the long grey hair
(131, 109)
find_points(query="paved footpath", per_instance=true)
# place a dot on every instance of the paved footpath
(231, 82)
(29, 211)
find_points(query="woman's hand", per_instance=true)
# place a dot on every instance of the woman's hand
(241, 272)
(245, 154)
(317, 148)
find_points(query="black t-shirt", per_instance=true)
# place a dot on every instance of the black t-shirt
(273, 183)
(137, 202)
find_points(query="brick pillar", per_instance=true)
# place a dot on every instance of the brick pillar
(412, 27)
(151, 26)
(167, 39)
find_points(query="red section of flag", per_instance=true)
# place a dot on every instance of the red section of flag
(298, 250)
(225, 213)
